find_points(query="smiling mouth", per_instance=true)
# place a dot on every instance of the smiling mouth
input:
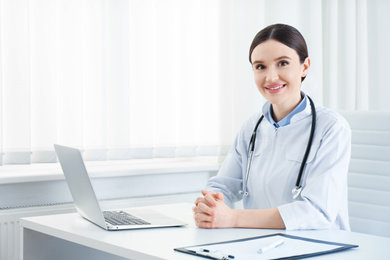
(276, 87)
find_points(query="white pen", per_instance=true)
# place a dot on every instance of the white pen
(270, 246)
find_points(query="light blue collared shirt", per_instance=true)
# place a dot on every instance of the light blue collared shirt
(286, 120)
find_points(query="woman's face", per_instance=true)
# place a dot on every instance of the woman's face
(277, 72)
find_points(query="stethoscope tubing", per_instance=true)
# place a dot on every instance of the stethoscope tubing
(297, 189)
(251, 149)
(308, 147)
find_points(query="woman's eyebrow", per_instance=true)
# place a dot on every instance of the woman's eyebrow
(256, 62)
(279, 58)
(282, 58)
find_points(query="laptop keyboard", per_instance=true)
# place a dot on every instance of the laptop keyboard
(120, 218)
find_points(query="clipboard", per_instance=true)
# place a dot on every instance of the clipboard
(294, 247)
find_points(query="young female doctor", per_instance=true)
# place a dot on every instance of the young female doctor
(289, 163)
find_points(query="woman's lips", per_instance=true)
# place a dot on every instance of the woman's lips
(275, 88)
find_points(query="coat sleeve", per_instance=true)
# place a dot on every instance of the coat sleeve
(229, 179)
(324, 190)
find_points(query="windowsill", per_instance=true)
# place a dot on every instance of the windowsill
(106, 169)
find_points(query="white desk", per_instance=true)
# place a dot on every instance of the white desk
(68, 236)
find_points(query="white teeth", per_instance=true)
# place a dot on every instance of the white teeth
(277, 87)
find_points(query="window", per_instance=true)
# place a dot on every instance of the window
(119, 79)
(123, 79)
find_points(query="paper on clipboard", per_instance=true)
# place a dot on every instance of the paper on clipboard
(293, 247)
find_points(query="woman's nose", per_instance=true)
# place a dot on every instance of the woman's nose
(272, 74)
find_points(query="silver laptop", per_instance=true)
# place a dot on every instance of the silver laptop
(87, 205)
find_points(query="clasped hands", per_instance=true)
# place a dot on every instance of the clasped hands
(210, 211)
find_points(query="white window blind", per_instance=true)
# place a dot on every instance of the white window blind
(123, 79)
(119, 79)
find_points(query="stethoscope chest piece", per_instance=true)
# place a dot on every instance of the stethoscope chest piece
(296, 191)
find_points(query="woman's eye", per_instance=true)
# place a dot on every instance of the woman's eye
(283, 63)
(260, 67)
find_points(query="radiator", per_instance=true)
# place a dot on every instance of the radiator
(10, 229)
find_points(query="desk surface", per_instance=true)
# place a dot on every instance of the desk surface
(159, 243)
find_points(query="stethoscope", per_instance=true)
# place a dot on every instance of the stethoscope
(297, 189)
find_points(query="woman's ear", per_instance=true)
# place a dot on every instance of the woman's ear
(305, 67)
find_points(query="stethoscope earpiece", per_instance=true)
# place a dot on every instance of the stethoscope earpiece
(245, 193)
(296, 191)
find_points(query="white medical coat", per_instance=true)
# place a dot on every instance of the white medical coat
(276, 161)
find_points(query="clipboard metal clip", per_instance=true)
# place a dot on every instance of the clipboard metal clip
(214, 254)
